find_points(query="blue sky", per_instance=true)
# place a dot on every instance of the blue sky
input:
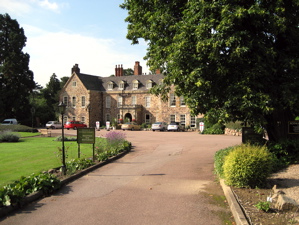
(61, 33)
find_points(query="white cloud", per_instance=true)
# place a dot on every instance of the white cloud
(15, 7)
(21, 7)
(57, 52)
(46, 4)
(53, 6)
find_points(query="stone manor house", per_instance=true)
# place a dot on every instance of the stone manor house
(92, 98)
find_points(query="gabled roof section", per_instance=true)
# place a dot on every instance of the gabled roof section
(91, 82)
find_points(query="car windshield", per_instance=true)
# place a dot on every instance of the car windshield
(4, 122)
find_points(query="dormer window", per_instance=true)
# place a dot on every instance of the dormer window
(135, 84)
(121, 85)
(110, 85)
(149, 84)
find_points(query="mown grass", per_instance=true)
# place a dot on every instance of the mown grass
(35, 154)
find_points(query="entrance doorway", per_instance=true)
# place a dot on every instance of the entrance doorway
(128, 117)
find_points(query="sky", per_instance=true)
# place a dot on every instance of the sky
(62, 33)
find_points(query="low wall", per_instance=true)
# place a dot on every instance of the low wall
(233, 132)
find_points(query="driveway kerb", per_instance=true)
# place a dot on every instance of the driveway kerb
(238, 213)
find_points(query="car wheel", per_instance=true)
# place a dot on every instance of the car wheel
(154, 130)
(123, 129)
(52, 127)
(75, 128)
(132, 129)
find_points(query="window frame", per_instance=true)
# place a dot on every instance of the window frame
(192, 121)
(74, 101)
(147, 101)
(149, 84)
(65, 100)
(182, 101)
(121, 85)
(83, 101)
(147, 118)
(108, 117)
(135, 85)
(171, 116)
(183, 119)
(119, 101)
(134, 100)
(172, 100)
(108, 102)
(110, 85)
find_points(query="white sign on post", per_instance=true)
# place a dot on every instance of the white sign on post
(108, 125)
(201, 126)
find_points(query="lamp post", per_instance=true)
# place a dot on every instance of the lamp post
(32, 115)
(88, 107)
(62, 108)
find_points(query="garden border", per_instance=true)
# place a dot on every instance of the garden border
(4, 211)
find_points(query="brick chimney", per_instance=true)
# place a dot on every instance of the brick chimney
(158, 71)
(137, 69)
(119, 71)
(76, 69)
(116, 71)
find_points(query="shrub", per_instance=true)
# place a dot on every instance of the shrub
(219, 159)
(59, 138)
(78, 164)
(145, 125)
(214, 129)
(247, 166)
(15, 192)
(17, 128)
(264, 206)
(8, 136)
(285, 152)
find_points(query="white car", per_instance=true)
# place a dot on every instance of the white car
(175, 126)
(161, 126)
(53, 125)
(9, 122)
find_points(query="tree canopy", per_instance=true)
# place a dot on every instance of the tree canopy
(16, 80)
(236, 59)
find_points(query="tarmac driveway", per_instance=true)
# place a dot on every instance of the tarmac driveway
(167, 178)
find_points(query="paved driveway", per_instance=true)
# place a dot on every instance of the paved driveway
(167, 178)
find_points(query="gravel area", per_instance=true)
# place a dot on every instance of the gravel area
(288, 181)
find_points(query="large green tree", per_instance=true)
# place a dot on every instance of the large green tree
(16, 80)
(238, 59)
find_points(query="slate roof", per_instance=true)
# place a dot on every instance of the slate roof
(91, 82)
(97, 83)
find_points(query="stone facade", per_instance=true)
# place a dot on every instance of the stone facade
(92, 98)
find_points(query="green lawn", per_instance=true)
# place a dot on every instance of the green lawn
(35, 154)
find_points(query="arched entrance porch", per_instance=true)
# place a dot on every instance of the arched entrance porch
(128, 117)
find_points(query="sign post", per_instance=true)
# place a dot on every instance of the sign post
(98, 125)
(201, 126)
(294, 127)
(86, 136)
(108, 125)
